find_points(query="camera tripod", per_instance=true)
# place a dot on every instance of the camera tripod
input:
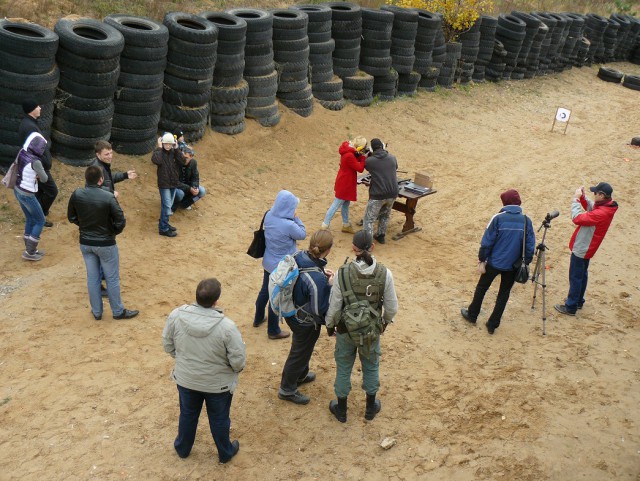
(540, 268)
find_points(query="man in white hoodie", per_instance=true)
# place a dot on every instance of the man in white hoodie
(364, 290)
(209, 353)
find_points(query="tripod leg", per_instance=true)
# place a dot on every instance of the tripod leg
(535, 276)
(544, 296)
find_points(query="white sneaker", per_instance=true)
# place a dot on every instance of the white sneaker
(188, 208)
(324, 226)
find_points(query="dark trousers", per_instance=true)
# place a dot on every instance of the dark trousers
(262, 302)
(218, 407)
(303, 340)
(578, 278)
(47, 193)
(507, 278)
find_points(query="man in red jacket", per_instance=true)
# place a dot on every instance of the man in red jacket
(592, 219)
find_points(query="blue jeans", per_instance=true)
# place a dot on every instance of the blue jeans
(218, 408)
(273, 328)
(186, 200)
(166, 201)
(337, 203)
(107, 258)
(345, 356)
(578, 278)
(32, 213)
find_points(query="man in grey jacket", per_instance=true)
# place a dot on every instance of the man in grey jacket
(383, 189)
(209, 353)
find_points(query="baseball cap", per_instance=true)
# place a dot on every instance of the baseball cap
(603, 187)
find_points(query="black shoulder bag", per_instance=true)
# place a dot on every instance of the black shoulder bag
(522, 272)
(258, 245)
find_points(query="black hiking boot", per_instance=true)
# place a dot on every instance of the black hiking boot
(373, 407)
(339, 409)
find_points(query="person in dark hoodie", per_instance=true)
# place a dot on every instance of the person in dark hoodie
(592, 220)
(311, 296)
(47, 189)
(282, 228)
(168, 157)
(189, 191)
(104, 156)
(29, 172)
(383, 189)
(500, 249)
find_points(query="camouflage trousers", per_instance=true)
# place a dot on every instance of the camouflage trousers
(379, 210)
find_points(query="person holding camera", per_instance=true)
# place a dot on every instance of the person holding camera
(592, 220)
(352, 158)
(500, 251)
(168, 157)
(383, 189)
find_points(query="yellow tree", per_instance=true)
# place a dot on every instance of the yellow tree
(458, 16)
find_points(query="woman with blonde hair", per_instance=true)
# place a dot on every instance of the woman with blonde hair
(311, 298)
(352, 157)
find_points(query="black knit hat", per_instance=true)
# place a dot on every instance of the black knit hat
(376, 144)
(362, 240)
(29, 105)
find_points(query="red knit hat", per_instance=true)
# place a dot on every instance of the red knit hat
(510, 197)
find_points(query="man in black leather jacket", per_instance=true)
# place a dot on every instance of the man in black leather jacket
(100, 218)
(47, 191)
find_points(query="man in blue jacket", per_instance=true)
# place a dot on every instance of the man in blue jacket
(500, 250)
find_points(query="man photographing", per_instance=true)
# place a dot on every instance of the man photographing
(592, 219)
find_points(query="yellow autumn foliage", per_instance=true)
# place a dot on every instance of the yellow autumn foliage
(457, 15)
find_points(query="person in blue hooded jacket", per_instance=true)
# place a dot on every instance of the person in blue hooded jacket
(500, 250)
(282, 228)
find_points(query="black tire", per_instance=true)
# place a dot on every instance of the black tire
(81, 130)
(123, 121)
(190, 28)
(76, 142)
(228, 119)
(258, 50)
(139, 31)
(185, 115)
(176, 97)
(360, 81)
(105, 79)
(610, 75)
(89, 38)
(66, 58)
(230, 129)
(45, 81)
(334, 85)
(262, 112)
(142, 67)
(257, 20)
(334, 105)
(27, 39)
(187, 86)
(87, 91)
(180, 47)
(26, 65)
(235, 93)
(135, 135)
(262, 83)
(138, 108)
(319, 37)
(75, 157)
(137, 81)
(15, 95)
(292, 86)
(316, 13)
(144, 53)
(230, 27)
(357, 94)
(134, 148)
(631, 82)
(270, 121)
(227, 108)
(341, 11)
(329, 96)
(255, 102)
(66, 100)
(127, 94)
(284, 18)
(189, 73)
(87, 117)
(305, 94)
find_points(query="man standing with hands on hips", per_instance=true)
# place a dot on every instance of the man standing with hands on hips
(592, 219)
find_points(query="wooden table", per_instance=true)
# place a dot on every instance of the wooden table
(411, 193)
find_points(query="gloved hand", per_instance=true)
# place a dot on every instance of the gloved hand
(331, 331)
(384, 326)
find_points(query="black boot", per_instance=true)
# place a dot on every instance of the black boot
(339, 409)
(373, 407)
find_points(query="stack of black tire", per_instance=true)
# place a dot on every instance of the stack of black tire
(88, 57)
(428, 23)
(622, 46)
(446, 77)
(631, 39)
(531, 30)
(138, 97)
(609, 42)
(403, 40)
(511, 31)
(326, 87)
(497, 64)
(375, 47)
(570, 48)
(259, 66)
(27, 71)
(291, 54)
(193, 44)
(594, 28)
(533, 59)
(229, 90)
(582, 50)
(488, 27)
(544, 65)
(346, 30)
(557, 40)
(470, 47)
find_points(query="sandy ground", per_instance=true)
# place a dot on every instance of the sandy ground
(81, 399)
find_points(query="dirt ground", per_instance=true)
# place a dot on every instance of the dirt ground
(81, 399)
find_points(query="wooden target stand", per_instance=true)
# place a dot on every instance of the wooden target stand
(562, 116)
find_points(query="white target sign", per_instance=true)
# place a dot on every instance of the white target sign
(562, 115)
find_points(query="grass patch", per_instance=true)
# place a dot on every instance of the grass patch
(5, 400)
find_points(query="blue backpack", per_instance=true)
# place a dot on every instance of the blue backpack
(281, 283)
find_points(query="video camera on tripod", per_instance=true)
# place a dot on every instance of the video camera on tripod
(541, 268)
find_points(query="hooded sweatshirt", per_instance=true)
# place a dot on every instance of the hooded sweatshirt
(281, 230)
(384, 181)
(389, 305)
(30, 167)
(592, 225)
(351, 162)
(207, 346)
